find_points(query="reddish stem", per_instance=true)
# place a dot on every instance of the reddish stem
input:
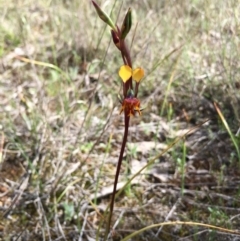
(127, 60)
(136, 90)
(120, 159)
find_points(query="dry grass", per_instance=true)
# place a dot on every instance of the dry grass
(61, 130)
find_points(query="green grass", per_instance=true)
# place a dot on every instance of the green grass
(60, 124)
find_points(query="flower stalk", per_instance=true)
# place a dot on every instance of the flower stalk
(130, 102)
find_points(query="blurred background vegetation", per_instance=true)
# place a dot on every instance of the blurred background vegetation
(60, 128)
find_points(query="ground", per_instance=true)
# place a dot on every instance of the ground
(61, 131)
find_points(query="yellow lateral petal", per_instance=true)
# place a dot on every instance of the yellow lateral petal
(125, 72)
(138, 74)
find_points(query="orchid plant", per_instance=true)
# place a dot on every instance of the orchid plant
(129, 101)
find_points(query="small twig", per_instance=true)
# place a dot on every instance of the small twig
(83, 227)
(168, 216)
(116, 223)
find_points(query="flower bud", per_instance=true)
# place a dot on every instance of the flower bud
(115, 38)
(127, 23)
(104, 16)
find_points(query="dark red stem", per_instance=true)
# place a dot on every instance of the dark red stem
(127, 60)
(136, 90)
(120, 159)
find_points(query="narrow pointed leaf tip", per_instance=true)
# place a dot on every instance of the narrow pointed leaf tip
(138, 74)
(127, 24)
(103, 15)
(125, 72)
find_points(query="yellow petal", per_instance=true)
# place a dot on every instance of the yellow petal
(138, 74)
(125, 72)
